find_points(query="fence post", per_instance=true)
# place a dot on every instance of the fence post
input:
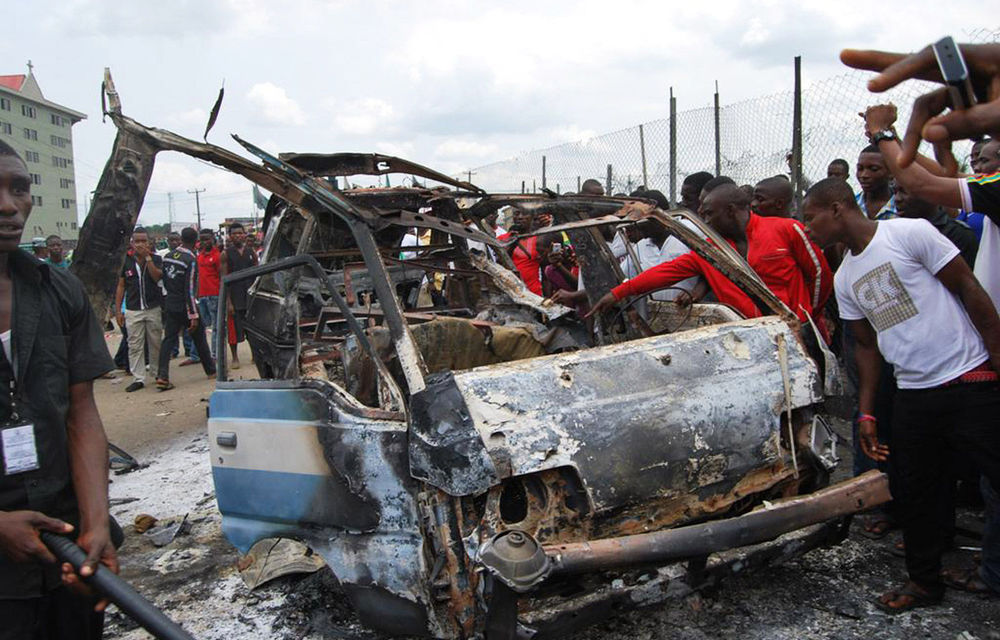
(543, 172)
(673, 149)
(578, 184)
(642, 152)
(522, 186)
(534, 186)
(557, 188)
(797, 138)
(607, 191)
(718, 142)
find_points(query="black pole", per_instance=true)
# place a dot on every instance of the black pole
(718, 139)
(673, 149)
(117, 590)
(797, 137)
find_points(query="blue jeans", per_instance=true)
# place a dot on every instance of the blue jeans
(990, 569)
(189, 349)
(208, 309)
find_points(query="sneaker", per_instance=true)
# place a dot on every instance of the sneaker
(135, 386)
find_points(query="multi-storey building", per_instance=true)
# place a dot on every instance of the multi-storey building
(41, 131)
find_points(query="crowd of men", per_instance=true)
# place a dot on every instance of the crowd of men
(914, 260)
(163, 296)
(916, 292)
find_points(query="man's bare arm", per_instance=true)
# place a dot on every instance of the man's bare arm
(88, 457)
(914, 178)
(869, 361)
(959, 279)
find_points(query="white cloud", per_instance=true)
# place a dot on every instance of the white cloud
(459, 149)
(273, 105)
(572, 133)
(362, 117)
(189, 118)
(398, 149)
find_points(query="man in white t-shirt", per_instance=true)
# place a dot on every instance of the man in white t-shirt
(908, 295)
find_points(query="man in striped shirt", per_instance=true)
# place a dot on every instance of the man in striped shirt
(180, 275)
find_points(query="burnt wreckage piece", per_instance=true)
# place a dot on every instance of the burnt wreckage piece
(478, 461)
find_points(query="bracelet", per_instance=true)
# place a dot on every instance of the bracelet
(866, 417)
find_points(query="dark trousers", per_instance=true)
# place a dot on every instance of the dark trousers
(173, 322)
(59, 615)
(121, 356)
(934, 429)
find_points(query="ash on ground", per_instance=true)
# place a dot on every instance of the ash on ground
(828, 593)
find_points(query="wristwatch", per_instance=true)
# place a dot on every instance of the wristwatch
(886, 134)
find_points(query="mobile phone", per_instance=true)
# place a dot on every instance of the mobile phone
(955, 73)
(556, 247)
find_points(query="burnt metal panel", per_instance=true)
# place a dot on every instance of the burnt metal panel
(663, 417)
(445, 448)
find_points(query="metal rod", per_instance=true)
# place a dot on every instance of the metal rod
(797, 137)
(673, 149)
(117, 590)
(642, 153)
(543, 172)
(718, 139)
(607, 191)
(865, 491)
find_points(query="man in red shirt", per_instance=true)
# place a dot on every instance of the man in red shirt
(209, 264)
(791, 266)
(525, 252)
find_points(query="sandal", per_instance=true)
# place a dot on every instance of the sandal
(965, 580)
(163, 385)
(877, 527)
(918, 597)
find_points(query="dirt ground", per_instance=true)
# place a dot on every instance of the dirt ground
(825, 594)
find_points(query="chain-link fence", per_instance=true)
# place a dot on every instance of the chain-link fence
(747, 141)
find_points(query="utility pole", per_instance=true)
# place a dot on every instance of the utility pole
(197, 204)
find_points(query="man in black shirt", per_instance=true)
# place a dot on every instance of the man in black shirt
(54, 461)
(180, 277)
(236, 257)
(139, 285)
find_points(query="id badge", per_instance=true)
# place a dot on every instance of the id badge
(20, 452)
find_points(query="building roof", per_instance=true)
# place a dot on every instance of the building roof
(12, 82)
(25, 86)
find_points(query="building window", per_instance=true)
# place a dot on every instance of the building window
(36, 178)
(6, 128)
(62, 163)
(72, 225)
(30, 134)
(67, 203)
(59, 141)
(57, 120)
(31, 156)
(65, 183)
(5, 104)
(28, 110)
(36, 200)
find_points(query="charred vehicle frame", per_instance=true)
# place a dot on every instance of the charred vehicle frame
(489, 464)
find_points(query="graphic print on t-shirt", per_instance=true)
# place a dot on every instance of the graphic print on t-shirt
(885, 301)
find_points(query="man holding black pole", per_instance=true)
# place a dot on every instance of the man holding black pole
(54, 458)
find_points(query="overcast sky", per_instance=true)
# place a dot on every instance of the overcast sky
(448, 84)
